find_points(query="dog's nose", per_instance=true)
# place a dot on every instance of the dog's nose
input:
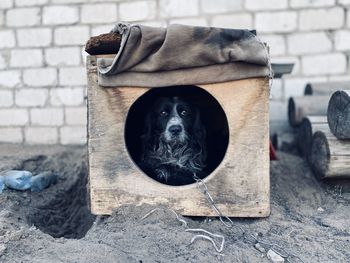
(175, 129)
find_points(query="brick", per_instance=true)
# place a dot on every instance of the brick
(238, 21)
(22, 17)
(311, 3)
(276, 44)
(342, 40)
(31, 97)
(73, 135)
(76, 116)
(102, 29)
(11, 135)
(295, 86)
(10, 78)
(178, 8)
(68, 1)
(158, 23)
(276, 92)
(46, 117)
(99, 13)
(278, 110)
(35, 37)
(306, 43)
(41, 135)
(3, 62)
(5, 4)
(344, 2)
(64, 56)
(6, 98)
(7, 39)
(316, 19)
(266, 4)
(72, 76)
(339, 78)
(67, 96)
(26, 58)
(324, 64)
(30, 2)
(221, 6)
(2, 18)
(40, 77)
(277, 22)
(13, 117)
(348, 19)
(71, 35)
(136, 11)
(190, 21)
(60, 15)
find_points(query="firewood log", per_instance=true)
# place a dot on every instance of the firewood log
(338, 114)
(103, 44)
(299, 107)
(308, 127)
(329, 157)
(325, 88)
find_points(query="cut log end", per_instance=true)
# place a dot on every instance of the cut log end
(304, 137)
(292, 113)
(319, 155)
(338, 114)
(308, 89)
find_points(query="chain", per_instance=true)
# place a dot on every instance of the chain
(204, 189)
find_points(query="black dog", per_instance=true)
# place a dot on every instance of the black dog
(174, 148)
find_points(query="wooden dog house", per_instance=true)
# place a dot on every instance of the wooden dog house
(239, 185)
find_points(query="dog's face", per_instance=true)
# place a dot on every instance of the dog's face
(174, 140)
(174, 120)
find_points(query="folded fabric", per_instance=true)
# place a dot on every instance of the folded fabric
(149, 56)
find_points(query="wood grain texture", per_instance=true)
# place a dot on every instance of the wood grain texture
(338, 114)
(239, 185)
(299, 107)
(325, 88)
(329, 157)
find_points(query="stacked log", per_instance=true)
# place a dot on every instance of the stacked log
(338, 114)
(300, 107)
(325, 88)
(329, 157)
(308, 127)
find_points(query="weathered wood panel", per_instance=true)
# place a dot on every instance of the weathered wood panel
(239, 186)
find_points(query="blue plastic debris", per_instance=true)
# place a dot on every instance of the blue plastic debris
(18, 180)
(24, 180)
(2, 184)
(42, 181)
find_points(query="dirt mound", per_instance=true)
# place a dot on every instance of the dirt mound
(308, 220)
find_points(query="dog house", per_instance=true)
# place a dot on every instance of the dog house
(234, 97)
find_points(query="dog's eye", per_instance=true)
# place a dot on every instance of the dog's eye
(164, 113)
(183, 112)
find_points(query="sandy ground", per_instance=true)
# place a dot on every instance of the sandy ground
(309, 219)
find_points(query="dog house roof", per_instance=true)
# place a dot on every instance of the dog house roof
(183, 55)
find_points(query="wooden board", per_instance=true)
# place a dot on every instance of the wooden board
(239, 185)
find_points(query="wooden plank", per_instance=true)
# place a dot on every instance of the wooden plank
(239, 185)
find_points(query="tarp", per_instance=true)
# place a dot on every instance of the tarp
(182, 55)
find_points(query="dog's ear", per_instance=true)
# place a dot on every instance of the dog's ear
(146, 136)
(199, 133)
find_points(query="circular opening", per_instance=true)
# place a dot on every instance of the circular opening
(174, 133)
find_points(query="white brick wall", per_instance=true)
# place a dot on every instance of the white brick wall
(42, 71)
